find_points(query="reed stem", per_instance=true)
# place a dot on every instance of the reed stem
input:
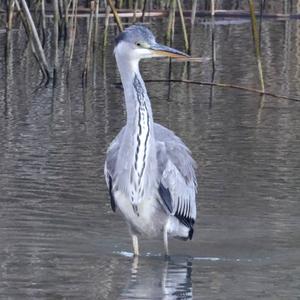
(73, 29)
(33, 32)
(144, 10)
(56, 34)
(256, 44)
(10, 14)
(106, 23)
(193, 14)
(185, 35)
(116, 16)
(88, 48)
(171, 21)
(96, 29)
(212, 7)
(43, 22)
(135, 4)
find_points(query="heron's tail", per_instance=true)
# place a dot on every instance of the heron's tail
(178, 230)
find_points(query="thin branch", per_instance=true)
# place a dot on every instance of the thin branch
(228, 85)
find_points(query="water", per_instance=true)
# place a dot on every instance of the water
(60, 239)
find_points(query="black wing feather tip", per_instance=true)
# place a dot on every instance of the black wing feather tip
(183, 219)
(112, 198)
(191, 232)
(165, 196)
(188, 222)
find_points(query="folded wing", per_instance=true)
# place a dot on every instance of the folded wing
(110, 165)
(177, 186)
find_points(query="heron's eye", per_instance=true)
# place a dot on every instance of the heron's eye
(142, 44)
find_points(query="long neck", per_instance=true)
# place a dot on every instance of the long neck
(136, 97)
(138, 148)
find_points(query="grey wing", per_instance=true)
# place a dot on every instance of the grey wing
(110, 164)
(176, 167)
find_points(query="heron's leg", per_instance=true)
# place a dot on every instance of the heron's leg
(166, 240)
(135, 264)
(135, 243)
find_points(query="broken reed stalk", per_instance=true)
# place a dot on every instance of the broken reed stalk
(170, 39)
(256, 44)
(10, 14)
(43, 15)
(61, 9)
(213, 51)
(96, 29)
(56, 36)
(227, 85)
(8, 69)
(171, 21)
(260, 109)
(95, 41)
(212, 7)
(144, 10)
(61, 22)
(88, 47)
(106, 23)
(193, 18)
(193, 13)
(67, 4)
(37, 43)
(130, 3)
(213, 35)
(116, 16)
(261, 10)
(135, 4)
(27, 31)
(73, 29)
(185, 36)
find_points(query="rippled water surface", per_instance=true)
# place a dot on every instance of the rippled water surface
(60, 239)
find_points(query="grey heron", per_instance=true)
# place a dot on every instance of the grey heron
(149, 171)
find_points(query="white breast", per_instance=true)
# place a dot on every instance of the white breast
(150, 219)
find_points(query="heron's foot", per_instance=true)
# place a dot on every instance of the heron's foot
(135, 244)
(167, 257)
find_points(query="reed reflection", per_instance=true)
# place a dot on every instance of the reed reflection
(152, 278)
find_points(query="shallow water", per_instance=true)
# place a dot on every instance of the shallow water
(60, 239)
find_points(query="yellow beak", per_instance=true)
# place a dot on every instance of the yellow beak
(165, 51)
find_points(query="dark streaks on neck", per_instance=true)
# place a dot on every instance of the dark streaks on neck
(141, 110)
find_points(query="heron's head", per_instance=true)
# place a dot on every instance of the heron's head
(137, 42)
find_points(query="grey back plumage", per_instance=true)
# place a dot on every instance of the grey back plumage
(176, 179)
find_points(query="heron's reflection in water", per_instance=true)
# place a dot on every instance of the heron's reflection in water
(153, 278)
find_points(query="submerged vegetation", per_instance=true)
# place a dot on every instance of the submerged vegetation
(59, 18)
